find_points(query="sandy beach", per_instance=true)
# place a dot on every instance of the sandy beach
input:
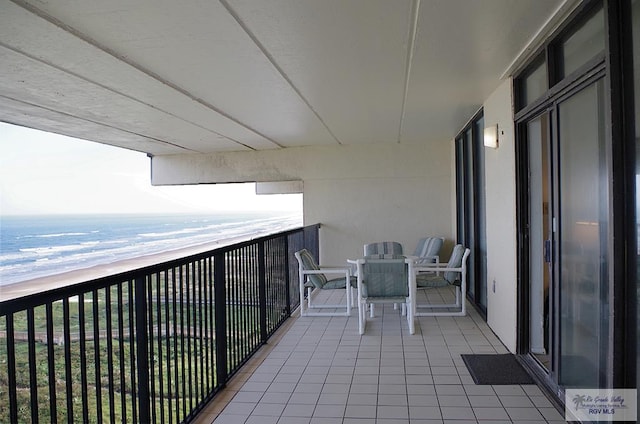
(38, 285)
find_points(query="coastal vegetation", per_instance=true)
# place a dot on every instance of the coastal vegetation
(157, 342)
(89, 365)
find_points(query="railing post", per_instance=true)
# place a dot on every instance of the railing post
(220, 307)
(11, 368)
(262, 291)
(287, 275)
(142, 350)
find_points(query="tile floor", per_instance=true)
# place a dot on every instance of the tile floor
(318, 370)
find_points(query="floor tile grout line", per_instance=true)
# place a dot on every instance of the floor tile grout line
(383, 346)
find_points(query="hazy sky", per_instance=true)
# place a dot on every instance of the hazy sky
(44, 173)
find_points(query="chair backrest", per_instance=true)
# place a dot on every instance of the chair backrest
(384, 276)
(307, 262)
(428, 247)
(457, 260)
(383, 248)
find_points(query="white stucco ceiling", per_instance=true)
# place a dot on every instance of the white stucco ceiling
(166, 76)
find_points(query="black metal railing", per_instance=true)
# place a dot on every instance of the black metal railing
(151, 345)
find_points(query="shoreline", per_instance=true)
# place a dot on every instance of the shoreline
(77, 276)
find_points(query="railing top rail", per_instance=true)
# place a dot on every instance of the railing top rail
(58, 293)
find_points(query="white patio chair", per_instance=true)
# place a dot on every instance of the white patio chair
(385, 279)
(454, 273)
(428, 250)
(383, 248)
(312, 277)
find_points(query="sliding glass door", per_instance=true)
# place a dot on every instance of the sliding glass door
(567, 225)
(583, 204)
(471, 223)
(540, 237)
(577, 182)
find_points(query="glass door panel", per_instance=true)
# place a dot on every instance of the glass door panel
(583, 212)
(480, 245)
(540, 239)
(470, 230)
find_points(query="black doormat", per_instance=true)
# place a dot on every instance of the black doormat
(496, 369)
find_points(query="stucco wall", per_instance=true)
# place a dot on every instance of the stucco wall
(501, 219)
(359, 193)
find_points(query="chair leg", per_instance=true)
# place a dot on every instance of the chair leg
(353, 298)
(302, 301)
(362, 317)
(410, 319)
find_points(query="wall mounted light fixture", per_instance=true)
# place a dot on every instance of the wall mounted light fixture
(491, 136)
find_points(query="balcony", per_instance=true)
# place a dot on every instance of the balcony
(153, 344)
(319, 370)
(208, 338)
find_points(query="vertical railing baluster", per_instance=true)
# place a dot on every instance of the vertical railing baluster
(11, 368)
(244, 317)
(248, 302)
(253, 274)
(96, 355)
(133, 349)
(111, 385)
(142, 349)
(237, 302)
(230, 323)
(237, 344)
(270, 290)
(189, 358)
(201, 342)
(207, 339)
(221, 318)
(271, 287)
(287, 276)
(252, 291)
(151, 346)
(67, 359)
(167, 330)
(53, 407)
(237, 307)
(84, 385)
(229, 283)
(33, 372)
(176, 366)
(162, 275)
(262, 291)
(212, 324)
(182, 350)
(194, 335)
(121, 359)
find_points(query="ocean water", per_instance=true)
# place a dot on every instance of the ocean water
(38, 246)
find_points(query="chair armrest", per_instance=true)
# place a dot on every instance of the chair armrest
(431, 266)
(326, 270)
(436, 258)
(419, 268)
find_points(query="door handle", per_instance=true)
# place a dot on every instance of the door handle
(547, 251)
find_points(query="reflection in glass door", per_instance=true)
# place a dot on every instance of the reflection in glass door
(584, 220)
(470, 219)
(567, 226)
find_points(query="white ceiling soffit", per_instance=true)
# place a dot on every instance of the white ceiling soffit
(165, 76)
